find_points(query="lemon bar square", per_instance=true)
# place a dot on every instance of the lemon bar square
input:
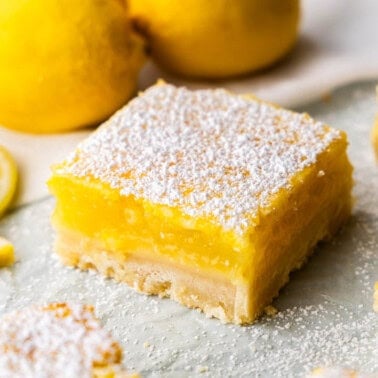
(206, 197)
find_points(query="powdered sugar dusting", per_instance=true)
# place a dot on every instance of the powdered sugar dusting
(57, 340)
(208, 152)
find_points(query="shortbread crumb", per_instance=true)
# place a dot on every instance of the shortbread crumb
(270, 310)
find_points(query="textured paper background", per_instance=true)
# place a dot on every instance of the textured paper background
(338, 45)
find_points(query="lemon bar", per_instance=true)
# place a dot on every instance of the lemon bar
(57, 340)
(206, 197)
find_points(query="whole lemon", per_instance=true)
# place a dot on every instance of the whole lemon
(65, 64)
(216, 39)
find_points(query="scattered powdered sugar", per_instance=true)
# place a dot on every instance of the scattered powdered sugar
(209, 152)
(58, 340)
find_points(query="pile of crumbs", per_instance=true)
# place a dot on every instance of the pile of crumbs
(57, 340)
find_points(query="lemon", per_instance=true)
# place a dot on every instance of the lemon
(65, 64)
(8, 179)
(216, 39)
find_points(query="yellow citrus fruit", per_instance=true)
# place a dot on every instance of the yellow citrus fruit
(216, 39)
(8, 178)
(65, 64)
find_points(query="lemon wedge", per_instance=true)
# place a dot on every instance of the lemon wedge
(8, 178)
(7, 257)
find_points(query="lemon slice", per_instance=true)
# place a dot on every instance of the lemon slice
(7, 257)
(8, 178)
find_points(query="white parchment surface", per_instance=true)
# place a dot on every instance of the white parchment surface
(325, 313)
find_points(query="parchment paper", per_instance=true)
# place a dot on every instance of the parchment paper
(325, 313)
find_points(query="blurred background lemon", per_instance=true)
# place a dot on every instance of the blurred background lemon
(65, 64)
(217, 39)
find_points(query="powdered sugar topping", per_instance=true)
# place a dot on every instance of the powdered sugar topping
(210, 153)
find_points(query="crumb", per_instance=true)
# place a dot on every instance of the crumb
(326, 97)
(202, 369)
(270, 310)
